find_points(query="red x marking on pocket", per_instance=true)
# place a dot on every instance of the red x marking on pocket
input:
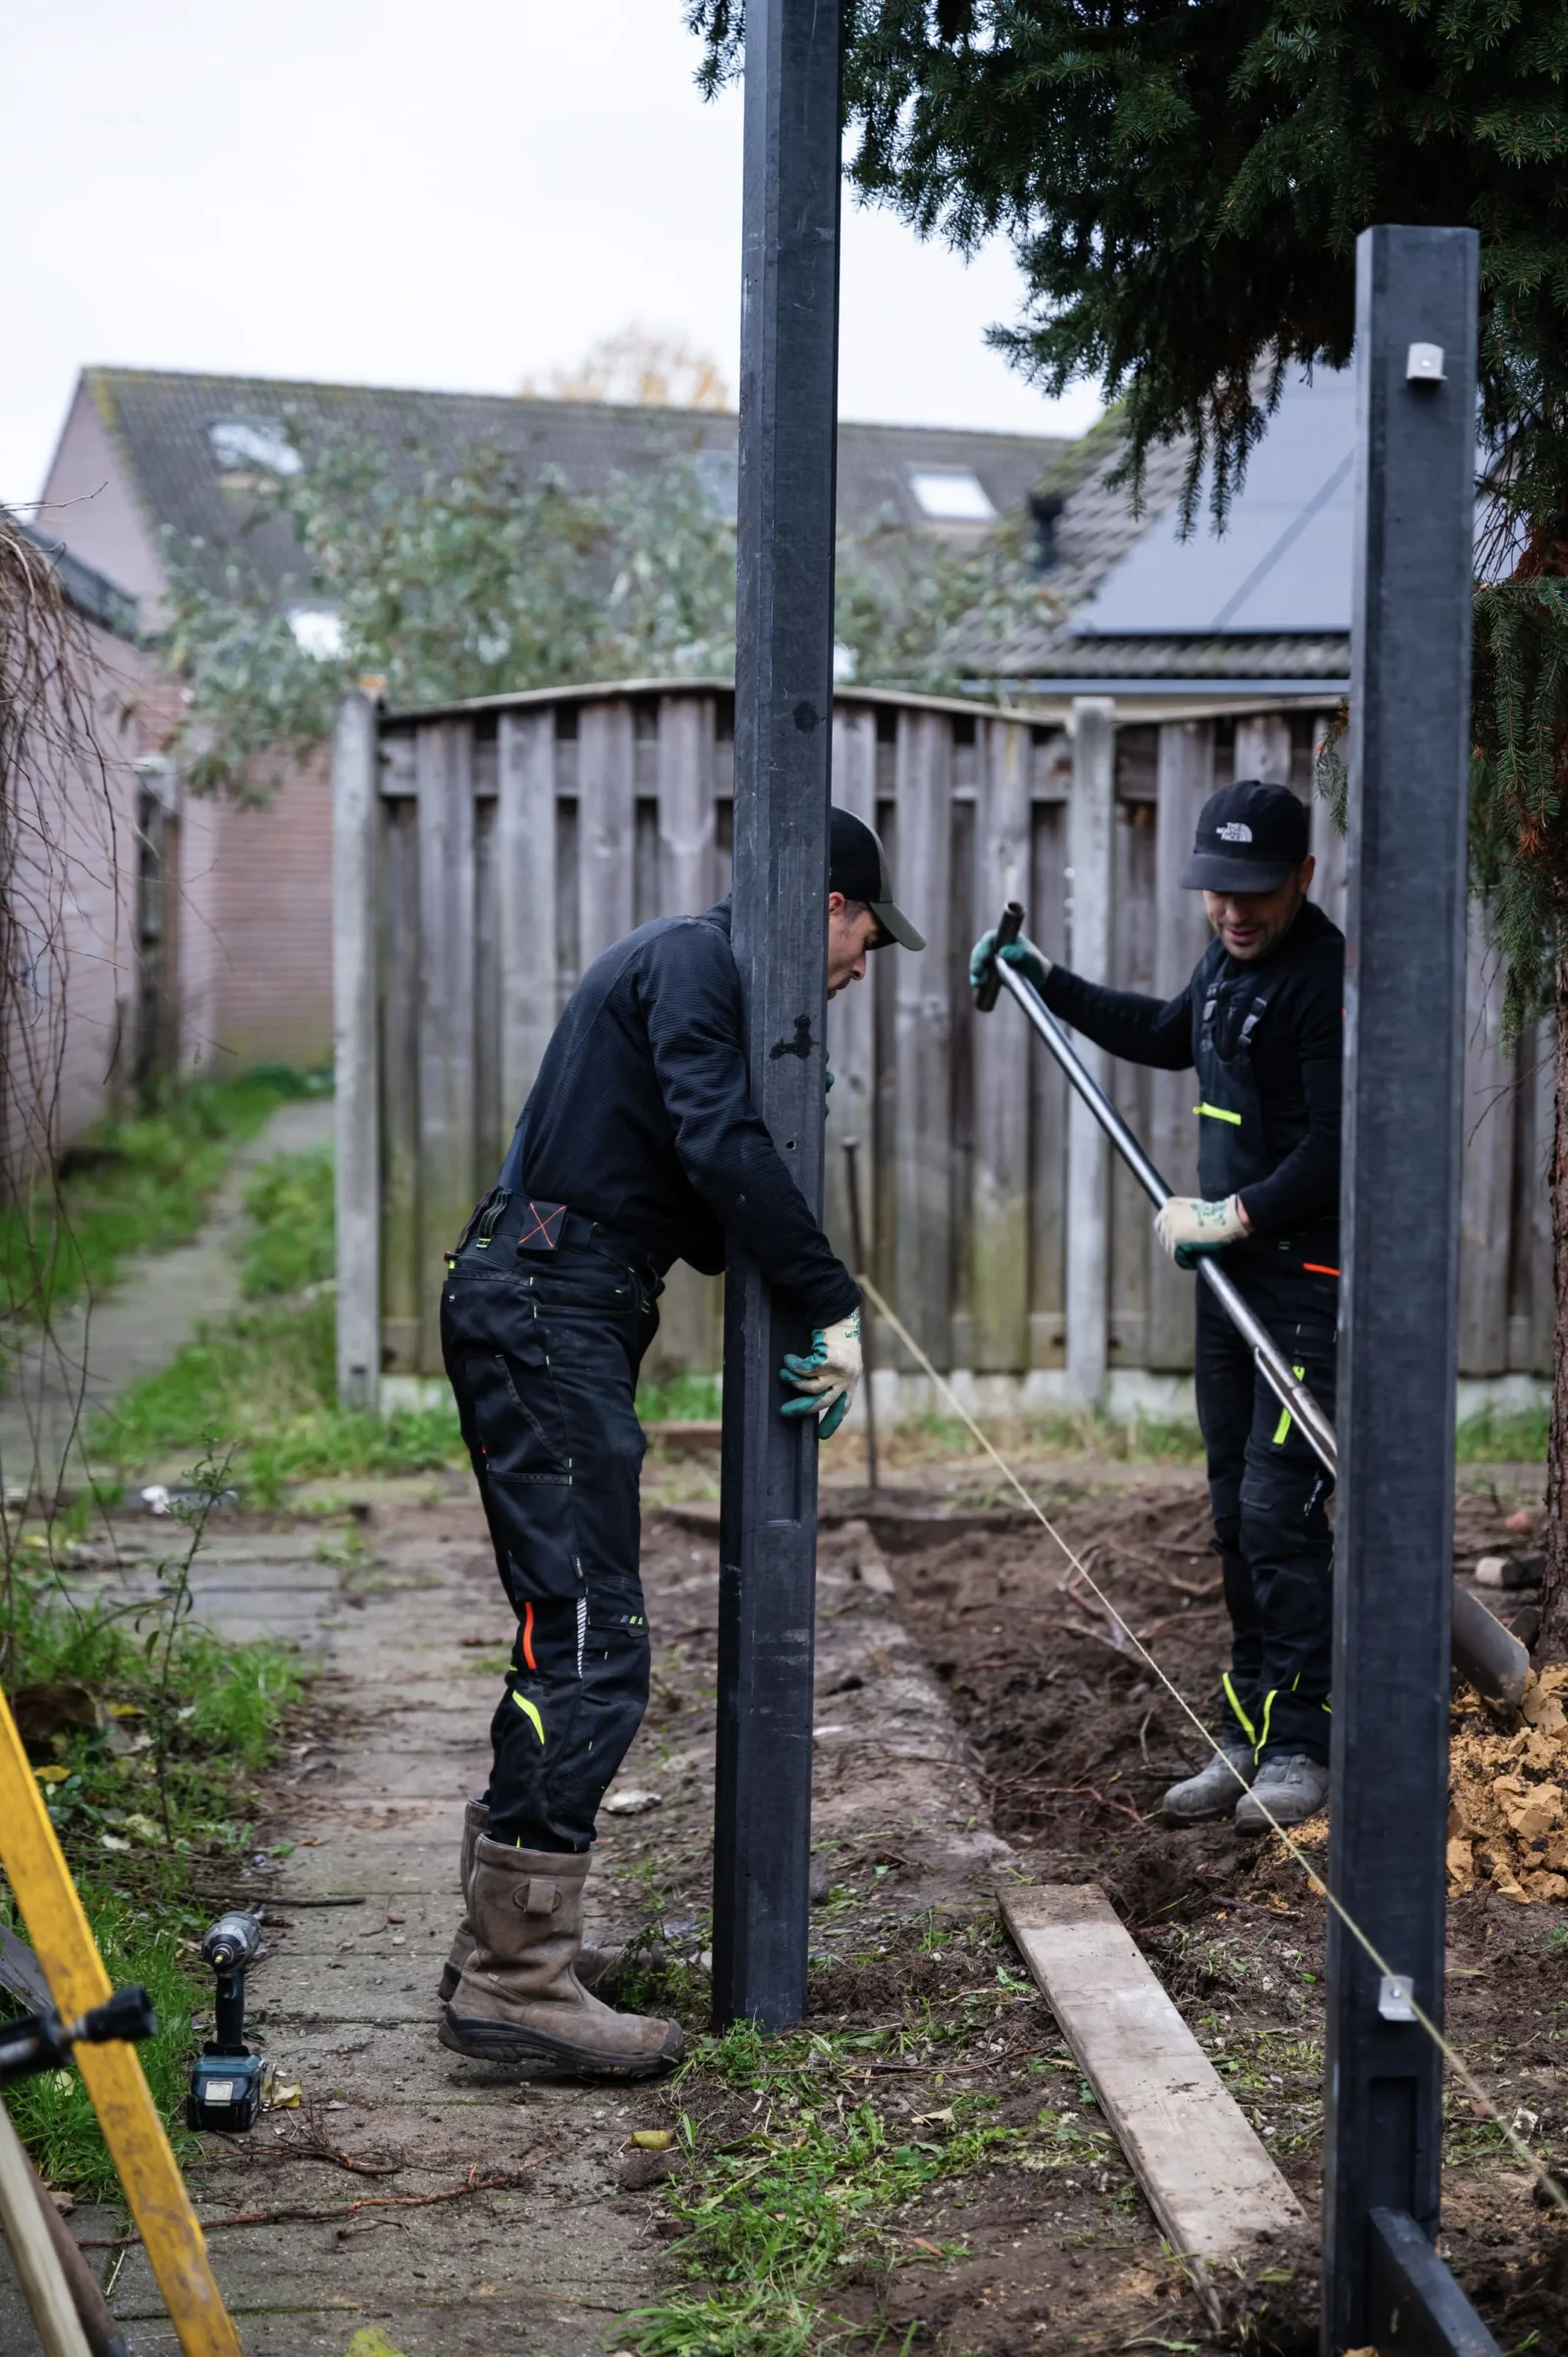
(543, 1232)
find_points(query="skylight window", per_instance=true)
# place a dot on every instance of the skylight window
(250, 446)
(951, 495)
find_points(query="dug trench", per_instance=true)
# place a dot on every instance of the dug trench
(919, 2167)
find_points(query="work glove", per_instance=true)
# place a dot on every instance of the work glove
(826, 1375)
(1188, 1227)
(1032, 962)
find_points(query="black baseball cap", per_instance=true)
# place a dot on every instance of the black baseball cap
(1250, 837)
(857, 866)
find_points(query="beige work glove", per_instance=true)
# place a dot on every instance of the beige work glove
(1188, 1227)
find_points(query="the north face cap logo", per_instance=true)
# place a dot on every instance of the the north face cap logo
(1234, 832)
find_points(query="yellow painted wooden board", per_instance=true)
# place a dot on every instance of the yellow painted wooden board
(1209, 2183)
(74, 1969)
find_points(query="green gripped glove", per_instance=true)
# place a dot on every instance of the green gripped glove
(1031, 962)
(826, 1375)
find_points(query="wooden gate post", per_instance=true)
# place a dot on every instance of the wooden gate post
(356, 894)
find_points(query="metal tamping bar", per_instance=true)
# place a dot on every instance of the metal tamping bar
(1271, 1365)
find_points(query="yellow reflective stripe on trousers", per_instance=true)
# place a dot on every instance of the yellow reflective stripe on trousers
(1234, 1700)
(529, 1712)
(1217, 1112)
(1282, 1428)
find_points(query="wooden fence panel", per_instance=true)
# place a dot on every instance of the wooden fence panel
(510, 848)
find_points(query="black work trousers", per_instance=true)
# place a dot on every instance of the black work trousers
(1269, 1495)
(543, 1352)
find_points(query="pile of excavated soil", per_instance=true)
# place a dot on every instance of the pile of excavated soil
(1508, 1795)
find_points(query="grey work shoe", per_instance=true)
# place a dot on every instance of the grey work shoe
(1293, 1790)
(475, 1819)
(1215, 1790)
(518, 1998)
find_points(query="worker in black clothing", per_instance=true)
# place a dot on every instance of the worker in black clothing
(639, 1146)
(1263, 1021)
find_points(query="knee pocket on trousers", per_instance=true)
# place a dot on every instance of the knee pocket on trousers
(1280, 1496)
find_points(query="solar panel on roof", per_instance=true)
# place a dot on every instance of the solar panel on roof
(1282, 564)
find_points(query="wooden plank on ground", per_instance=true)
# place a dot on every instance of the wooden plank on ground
(1209, 2180)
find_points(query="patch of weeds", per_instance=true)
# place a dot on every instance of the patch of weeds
(134, 1185)
(1512, 1436)
(290, 1207)
(143, 1727)
(679, 1399)
(264, 1383)
(778, 2218)
(139, 1942)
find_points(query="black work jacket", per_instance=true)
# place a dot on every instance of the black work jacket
(1295, 1051)
(641, 1117)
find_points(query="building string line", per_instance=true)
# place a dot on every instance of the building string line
(1455, 2060)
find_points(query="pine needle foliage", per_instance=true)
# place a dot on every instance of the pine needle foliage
(1184, 183)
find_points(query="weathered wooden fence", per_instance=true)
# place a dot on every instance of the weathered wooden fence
(487, 853)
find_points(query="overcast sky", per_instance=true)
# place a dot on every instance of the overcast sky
(459, 196)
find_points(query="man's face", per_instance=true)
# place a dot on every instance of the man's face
(1252, 923)
(853, 930)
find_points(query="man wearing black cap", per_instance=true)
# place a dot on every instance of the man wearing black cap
(1262, 1020)
(639, 1146)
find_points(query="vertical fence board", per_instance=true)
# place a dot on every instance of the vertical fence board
(1133, 955)
(1262, 748)
(1486, 1185)
(1003, 1046)
(922, 1245)
(443, 760)
(525, 897)
(492, 1123)
(1048, 1100)
(1186, 777)
(400, 1088)
(1091, 847)
(1532, 1285)
(852, 1015)
(605, 828)
(691, 1311)
(355, 834)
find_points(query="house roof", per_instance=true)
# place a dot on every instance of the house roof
(192, 447)
(89, 592)
(1267, 600)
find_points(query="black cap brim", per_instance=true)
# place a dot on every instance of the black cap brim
(895, 926)
(1211, 871)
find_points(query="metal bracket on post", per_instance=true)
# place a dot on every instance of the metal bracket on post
(1404, 1014)
(784, 712)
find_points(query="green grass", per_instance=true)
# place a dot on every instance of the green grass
(1505, 1437)
(262, 1384)
(781, 2215)
(679, 1399)
(185, 1720)
(132, 1186)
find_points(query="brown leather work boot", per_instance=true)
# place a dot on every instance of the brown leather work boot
(518, 1998)
(475, 1816)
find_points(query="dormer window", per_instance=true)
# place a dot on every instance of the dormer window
(950, 495)
(248, 447)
